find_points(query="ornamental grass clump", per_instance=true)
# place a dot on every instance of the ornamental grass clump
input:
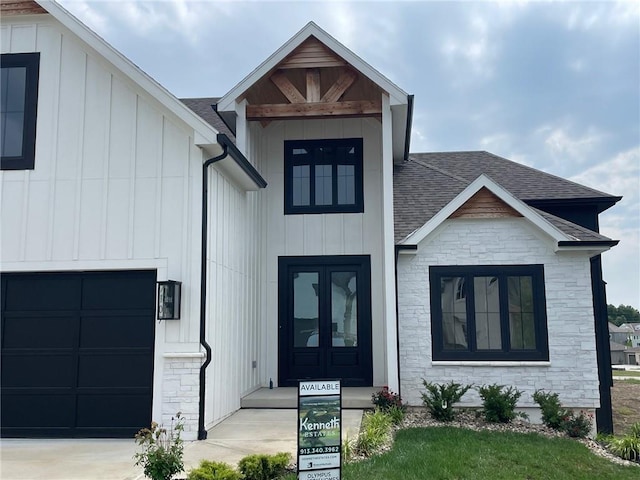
(375, 432)
(627, 446)
(440, 398)
(499, 403)
(162, 449)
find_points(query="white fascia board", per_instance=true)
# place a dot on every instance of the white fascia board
(483, 180)
(588, 249)
(205, 134)
(396, 95)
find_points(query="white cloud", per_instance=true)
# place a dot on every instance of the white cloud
(563, 145)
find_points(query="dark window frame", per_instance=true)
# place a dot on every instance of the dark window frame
(31, 61)
(536, 272)
(334, 207)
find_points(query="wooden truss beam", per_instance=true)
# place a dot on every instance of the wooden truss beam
(360, 108)
(287, 88)
(344, 81)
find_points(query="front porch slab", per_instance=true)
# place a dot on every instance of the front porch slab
(287, 397)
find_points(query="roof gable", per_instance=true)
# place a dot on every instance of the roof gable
(204, 133)
(295, 49)
(500, 196)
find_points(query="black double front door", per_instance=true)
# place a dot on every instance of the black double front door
(325, 319)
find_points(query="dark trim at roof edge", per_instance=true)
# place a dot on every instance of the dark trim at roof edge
(603, 203)
(406, 247)
(586, 243)
(241, 160)
(407, 135)
(226, 121)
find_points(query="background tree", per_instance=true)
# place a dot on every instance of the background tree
(622, 314)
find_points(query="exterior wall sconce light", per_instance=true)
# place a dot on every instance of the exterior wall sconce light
(169, 293)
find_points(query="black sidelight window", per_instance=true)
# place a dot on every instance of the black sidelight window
(488, 313)
(323, 176)
(19, 94)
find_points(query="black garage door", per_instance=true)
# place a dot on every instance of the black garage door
(77, 353)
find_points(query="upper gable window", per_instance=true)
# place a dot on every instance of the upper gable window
(323, 176)
(19, 94)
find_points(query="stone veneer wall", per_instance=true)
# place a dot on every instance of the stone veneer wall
(181, 390)
(572, 368)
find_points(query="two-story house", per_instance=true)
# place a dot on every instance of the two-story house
(307, 240)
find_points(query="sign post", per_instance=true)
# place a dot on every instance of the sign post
(319, 430)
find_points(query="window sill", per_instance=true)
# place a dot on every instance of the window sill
(490, 363)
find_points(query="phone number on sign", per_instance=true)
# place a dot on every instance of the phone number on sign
(314, 450)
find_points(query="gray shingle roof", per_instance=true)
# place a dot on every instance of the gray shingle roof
(203, 107)
(429, 181)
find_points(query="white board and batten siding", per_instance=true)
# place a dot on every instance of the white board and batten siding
(117, 186)
(319, 234)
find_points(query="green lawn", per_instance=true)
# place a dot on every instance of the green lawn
(453, 453)
(626, 373)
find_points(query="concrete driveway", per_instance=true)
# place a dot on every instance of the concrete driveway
(245, 432)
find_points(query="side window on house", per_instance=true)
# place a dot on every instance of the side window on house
(488, 312)
(323, 176)
(19, 99)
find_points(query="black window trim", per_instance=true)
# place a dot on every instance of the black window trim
(31, 61)
(536, 271)
(356, 207)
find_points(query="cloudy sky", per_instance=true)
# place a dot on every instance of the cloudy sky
(554, 85)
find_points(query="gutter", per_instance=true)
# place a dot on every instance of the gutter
(202, 432)
(587, 244)
(228, 150)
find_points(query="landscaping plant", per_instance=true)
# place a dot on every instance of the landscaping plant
(553, 415)
(385, 399)
(440, 398)
(627, 446)
(214, 471)
(162, 450)
(264, 467)
(499, 403)
(577, 426)
(375, 431)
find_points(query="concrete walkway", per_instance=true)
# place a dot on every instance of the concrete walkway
(245, 432)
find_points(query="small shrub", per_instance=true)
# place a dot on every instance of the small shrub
(577, 426)
(499, 403)
(552, 412)
(386, 399)
(264, 467)
(214, 471)
(440, 398)
(162, 450)
(375, 431)
(627, 446)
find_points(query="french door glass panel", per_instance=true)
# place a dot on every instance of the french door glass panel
(305, 309)
(344, 309)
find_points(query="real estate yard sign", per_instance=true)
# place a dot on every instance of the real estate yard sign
(319, 430)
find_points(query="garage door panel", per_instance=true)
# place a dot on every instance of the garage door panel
(47, 292)
(107, 331)
(77, 353)
(113, 410)
(126, 292)
(38, 371)
(29, 411)
(39, 332)
(115, 370)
